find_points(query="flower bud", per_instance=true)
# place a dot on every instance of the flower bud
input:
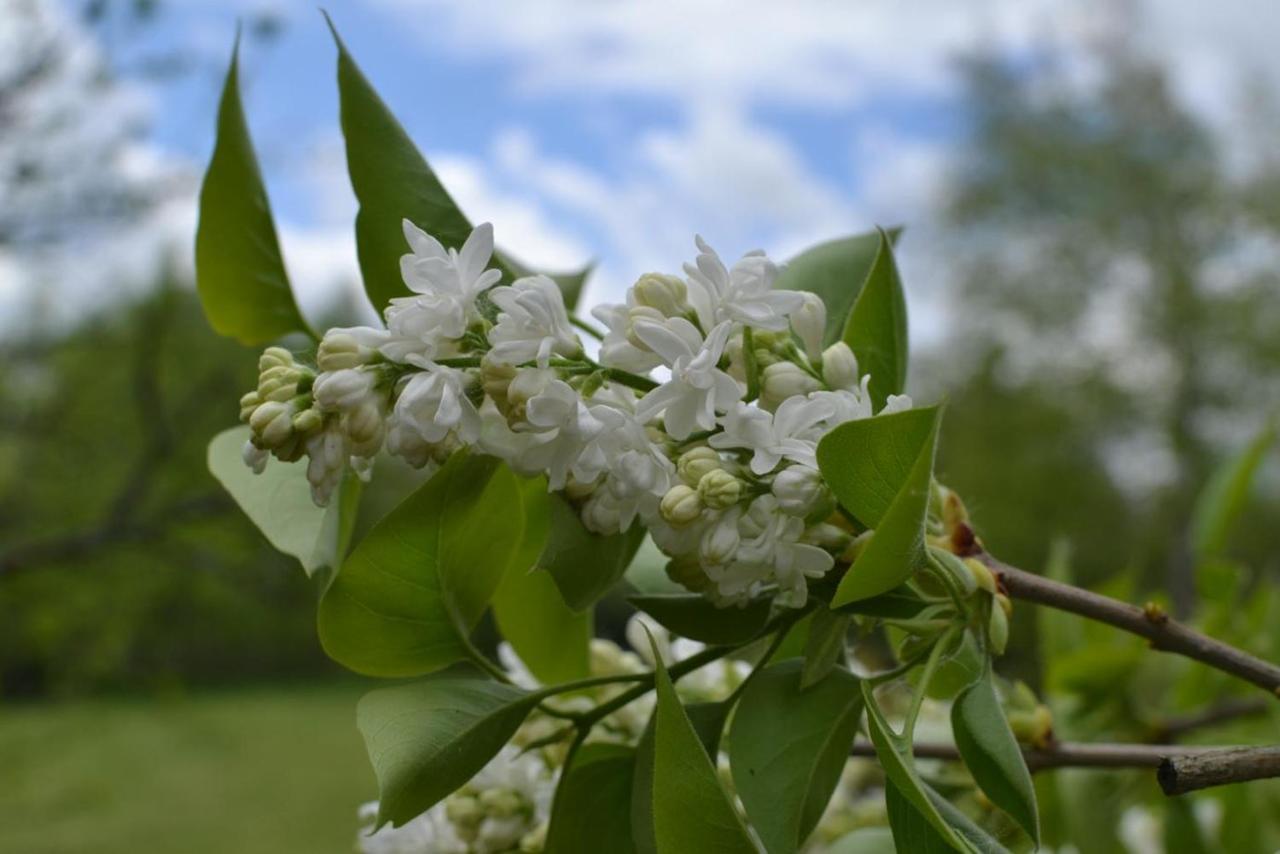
(601, 513)
(720, 542)
(799, 489)
(272, 423)
(719, 489)
(495, 379)
(254, 457)
(641, 312)
(527, 384)
(1005, 604)
(341, 349)
(840, 367)
(667, 294)
(810, 324)
(696, 463)
(680, 505)
(273, 357)
(365, 427)
(784, 380)
(248, 403)
(308, 420)
(981, 574)
(346, 389)
(833, 538)
(998, 630)
(463, 810)
(500, 803)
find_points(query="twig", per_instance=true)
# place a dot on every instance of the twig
(1228, 710)
(1187, 773)
(1163, 632)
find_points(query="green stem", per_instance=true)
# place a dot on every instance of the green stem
(930, 667)
(459, 362)
(630, 380)
(587, 328)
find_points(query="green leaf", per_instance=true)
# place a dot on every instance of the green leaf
(864, 840)
(279, 502)
(691, 810)
(585, 565)
(410, 593)
(240, 273)
(427, 739)
(692, 616)
(1222, 501)
(392, 182)
(876, 330)
(895, 758)
(824, 647)
(991, 753)
(787, 747)
(836, 272)
(912, 832)
(880, 470)
(901, 603)
(552, 641)
(647, 572)
(592, 809)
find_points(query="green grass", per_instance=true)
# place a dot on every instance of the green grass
(278, 770)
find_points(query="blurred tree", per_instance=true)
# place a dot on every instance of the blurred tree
(123, 563)
(1117, 273)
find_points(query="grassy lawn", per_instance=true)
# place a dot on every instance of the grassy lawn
(255, 770)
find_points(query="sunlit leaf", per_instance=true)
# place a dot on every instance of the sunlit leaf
(876, 329)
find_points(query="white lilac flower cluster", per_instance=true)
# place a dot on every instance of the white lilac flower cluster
(506, 807)
(716, 458)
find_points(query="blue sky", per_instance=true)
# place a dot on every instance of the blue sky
(613, 131)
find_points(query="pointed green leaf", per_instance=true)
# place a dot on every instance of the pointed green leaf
(392, 182)
(414, 587)
(824, 648)
(691, 810)
(912, 832)
(584, 565)
(836, 272)
(240, 273)
(592, 809)
(787, 747)
(876, 330)
(1223, 499)
(692, 616)
(880, 469)
(428, 738)
(895, 758)
(900, 603)
(992, 755)
(279, 502)
(552, 641)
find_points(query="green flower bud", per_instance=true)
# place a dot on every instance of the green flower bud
(719, 489)
(464, 810)
(274, 357)
(339, 349)
(696, 463)
(248, 403)
(666, 294)
(308, 421)
(365, 427)
(998, 630)
(272, 422)
(637, 313)
(783, 380)
(680, 505)
(501, 803)
(840, 367)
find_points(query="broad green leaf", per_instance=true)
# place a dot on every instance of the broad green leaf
(392, 182)
(585, 565)
(692, 616)
(691, 810)
(240, 273)
(592, 809)
(836, 272)
(409, 594)
(876, 330)
(880, 470)
(899, 603)
(991, 753)
(1223, 499)
(787, 747)
(279, 502)
(549, 638)
(912, 832)
(895, 758)
(428, 738)
(824, 647)
(957, 670)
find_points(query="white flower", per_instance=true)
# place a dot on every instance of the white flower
(840, 366)
(783, 380)
(618, 350)
(327, 459)
(698, 389)
(637, 472)
(744, 294)
(720, 541)
(255, 457)
(810, 324)
(772, 537)
(445, 283)
(567, 426)
(786, 434)
(434, 403)
(344, 389)
(895, 403)
(533, 323)
(349, 347)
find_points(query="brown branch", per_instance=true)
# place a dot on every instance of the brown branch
(1179, 769)
(1187, 773)
(1163, 632)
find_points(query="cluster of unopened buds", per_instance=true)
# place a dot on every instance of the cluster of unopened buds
(714, 454)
